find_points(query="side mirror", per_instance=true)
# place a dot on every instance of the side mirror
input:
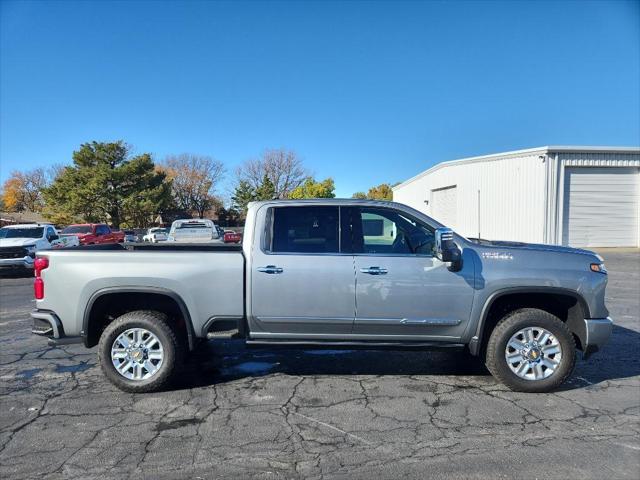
(51, 238)
(447, 250)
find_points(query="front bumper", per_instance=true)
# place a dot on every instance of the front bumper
(595, 334)
(47, 324)
(26, 262)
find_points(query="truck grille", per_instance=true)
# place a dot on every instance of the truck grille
(12, 252)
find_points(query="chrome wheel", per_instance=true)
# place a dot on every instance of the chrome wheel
(533, 353)
(137, 354)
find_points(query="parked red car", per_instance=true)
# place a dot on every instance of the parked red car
(232, 237)
(94, 233)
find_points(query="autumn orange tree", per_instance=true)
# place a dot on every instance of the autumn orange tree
(23, 190)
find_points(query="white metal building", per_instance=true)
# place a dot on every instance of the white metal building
(578, 196)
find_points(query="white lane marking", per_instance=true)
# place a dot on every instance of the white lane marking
(626, 445)
(585, 380)
(2, 324)
(333, 428)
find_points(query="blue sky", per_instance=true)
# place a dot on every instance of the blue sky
(364, 92)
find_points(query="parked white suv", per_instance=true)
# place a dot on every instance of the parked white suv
(19, 243)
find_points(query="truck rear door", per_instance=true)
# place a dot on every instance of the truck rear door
(302, 283)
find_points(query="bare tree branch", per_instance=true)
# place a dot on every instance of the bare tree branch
(283, 167)
(194, 180)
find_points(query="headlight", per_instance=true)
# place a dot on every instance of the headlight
(30, 248)
(598, 268)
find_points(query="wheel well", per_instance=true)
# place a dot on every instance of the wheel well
(109, 306)
(566, 307)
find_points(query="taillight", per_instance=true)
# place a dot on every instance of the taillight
(38, 285)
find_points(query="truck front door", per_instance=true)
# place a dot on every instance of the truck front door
(302, 284)
(403, 291)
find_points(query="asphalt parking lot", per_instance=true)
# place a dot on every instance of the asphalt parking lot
(291, 414)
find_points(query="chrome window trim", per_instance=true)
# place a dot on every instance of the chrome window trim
(269, 226)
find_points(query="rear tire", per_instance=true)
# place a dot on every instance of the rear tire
(532, 371)
(139, 370)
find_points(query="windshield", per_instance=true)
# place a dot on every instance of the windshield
(78, 229)
(35, 232)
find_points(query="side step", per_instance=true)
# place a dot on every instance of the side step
(356, 345)
(223, 334)
(223, 328)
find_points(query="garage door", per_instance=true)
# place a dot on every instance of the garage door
(601, 207)
(444, 205)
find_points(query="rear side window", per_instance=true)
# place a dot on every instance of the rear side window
(304, 230)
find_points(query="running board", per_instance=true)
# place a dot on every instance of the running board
(363, 345)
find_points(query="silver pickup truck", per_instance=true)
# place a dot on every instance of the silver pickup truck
(354, 273)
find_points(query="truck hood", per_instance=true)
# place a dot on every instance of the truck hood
(17, 242)
(503, 244)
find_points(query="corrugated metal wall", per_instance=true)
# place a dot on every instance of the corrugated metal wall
(570, 160)
(512, 196)
(522, 194)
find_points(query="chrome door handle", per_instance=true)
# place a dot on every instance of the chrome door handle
(270, 269)
(374, 271)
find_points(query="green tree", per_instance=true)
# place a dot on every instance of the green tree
(106, 184)
(266, 190)
(380, 192)
(243, 194)
(312, 189)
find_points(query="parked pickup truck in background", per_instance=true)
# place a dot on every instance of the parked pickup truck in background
(19, 243)
(94, 233)
(194, 230)
(334, 273)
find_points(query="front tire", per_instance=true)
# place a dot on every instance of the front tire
(140, 352)
(531, 350)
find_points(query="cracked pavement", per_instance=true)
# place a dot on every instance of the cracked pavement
(271, 414)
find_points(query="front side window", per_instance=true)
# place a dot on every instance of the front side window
(304, 230)
(385, 231)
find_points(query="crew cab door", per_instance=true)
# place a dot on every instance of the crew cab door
(302, 284)
(402, 289)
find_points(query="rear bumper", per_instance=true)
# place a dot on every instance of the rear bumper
(26, 262)
(47, 324)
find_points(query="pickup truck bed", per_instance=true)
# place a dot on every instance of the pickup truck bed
(165, 246)
(208, 280)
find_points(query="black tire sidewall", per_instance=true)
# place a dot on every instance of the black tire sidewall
(168, 341)
(518, 321)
